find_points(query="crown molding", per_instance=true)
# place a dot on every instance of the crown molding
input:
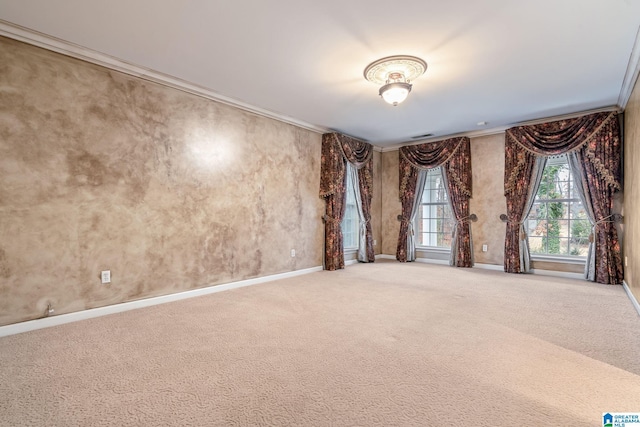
(501, 129)
(631, 75)
(35, 38)
(473, 134)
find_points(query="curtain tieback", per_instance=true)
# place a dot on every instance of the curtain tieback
(408, 222)
(614, 218)
(403, 220)
(523, 233)
(470, 218)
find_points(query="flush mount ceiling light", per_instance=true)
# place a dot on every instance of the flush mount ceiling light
(395, 74)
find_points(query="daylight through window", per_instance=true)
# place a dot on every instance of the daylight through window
(434, 223)
(350, 220)
(558, 223)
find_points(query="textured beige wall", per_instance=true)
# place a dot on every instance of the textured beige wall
(487, 157)
(169, 191)
(391, 207)
(488, 201)
(376, 202)
(631, 242)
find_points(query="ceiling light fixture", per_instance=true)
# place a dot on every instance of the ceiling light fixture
(395, 74)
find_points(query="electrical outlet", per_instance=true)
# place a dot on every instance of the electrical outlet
(625, 262)
(484, 248)
(105, 276)
(293, 253)
(375, 242)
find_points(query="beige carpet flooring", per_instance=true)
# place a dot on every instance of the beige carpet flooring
(384, 344)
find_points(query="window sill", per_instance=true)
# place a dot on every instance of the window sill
(350, 251)
(559, 259)
(433, 249)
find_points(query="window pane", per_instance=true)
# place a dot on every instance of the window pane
(350, 221)
(557, 223)
(434, 223)
(537, 211)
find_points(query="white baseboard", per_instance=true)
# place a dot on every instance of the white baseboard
(47, 322)
(423, 260)
(433, 261)
(494, 267)
(540, 272)
(632, 297)
(554, 273)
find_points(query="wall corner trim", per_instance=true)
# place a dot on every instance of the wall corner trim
(632, 297)
(631, 74)
(46, 322)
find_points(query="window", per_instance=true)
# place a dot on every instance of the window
(350, 221)
(558, 223)
(434, 221)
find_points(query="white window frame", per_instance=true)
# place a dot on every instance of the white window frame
(565, 258)
(418, 219)
(350, 197)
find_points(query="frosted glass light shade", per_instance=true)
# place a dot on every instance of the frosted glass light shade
(395, 93)
(395, 74)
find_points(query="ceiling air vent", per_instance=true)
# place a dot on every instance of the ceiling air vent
(426, 135)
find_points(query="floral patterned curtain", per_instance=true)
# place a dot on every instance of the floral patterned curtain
(408, 184)
(455, 156)
(595, 139)
(338, 149)
(520, 195)
(458, 179)
(365, 179)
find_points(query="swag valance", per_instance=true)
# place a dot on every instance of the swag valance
(337, 151)
(597, 135)
(454, 152)
(593, 146)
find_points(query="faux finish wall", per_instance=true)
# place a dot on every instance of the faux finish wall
(488, 201)
(170, 191)
(376, 202)
(391, 206)
(631, 242)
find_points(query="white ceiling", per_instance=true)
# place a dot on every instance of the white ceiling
(498, 61)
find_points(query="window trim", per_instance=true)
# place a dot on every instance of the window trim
(562, 259)
(356, 228)
(447, 203)
(559, 160)
(433, 249)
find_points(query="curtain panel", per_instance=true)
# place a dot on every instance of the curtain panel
(454, 155)
(408, 189)
(338, 149)
(595, 141)
(365, 181)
